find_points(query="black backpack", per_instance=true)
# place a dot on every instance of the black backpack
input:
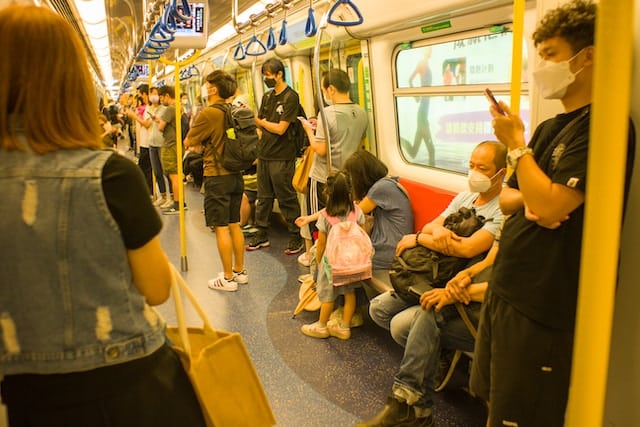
(295, 132)
(240, 147)
(419, 269)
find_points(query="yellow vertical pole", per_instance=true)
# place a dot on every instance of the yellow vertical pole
(516, 55)
(184, 266)
(603, 212)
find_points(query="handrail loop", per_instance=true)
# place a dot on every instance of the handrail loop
(255, 47)
(186, 15)
(310, 28)
(239, 54)
(349, 5)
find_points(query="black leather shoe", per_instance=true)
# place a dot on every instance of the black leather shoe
(394, 414)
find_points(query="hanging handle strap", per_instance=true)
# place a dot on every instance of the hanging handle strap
(271, 39)
(283, 33)
(239, 53)
(349, 5)
(310, 28)
(255, 47)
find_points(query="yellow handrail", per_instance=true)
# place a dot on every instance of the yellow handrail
(516, 55)
(603, 212)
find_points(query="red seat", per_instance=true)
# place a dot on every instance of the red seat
(427, 202)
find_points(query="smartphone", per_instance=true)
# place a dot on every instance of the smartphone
(306, 122)
(493, 101)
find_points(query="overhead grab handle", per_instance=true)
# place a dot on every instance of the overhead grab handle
(348, 4)
(271, 39)
(310, 28)
(283, 33)
(255, 47)
(239, 53)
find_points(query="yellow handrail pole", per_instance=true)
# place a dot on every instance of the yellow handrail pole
(516, 55)
(184, 265)
(603, 212)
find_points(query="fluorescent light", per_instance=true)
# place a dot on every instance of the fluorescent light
(94, 19)
(227, 31)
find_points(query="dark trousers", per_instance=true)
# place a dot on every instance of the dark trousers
(150, 392)
(144, 162)
(274, 181)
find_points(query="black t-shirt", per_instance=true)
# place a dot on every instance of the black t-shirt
(276, 108)
(127, 196)
(537, 269)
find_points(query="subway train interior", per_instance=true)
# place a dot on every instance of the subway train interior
(468, 45)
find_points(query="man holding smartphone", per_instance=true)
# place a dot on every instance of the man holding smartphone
(523, 361)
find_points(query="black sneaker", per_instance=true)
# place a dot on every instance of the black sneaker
(296, 244)
(259, 240)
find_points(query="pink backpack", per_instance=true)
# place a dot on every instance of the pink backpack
(347, 255)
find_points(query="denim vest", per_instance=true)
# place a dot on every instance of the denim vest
(67, 299)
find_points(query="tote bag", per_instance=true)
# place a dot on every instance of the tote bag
(220, 369)
(301, 174)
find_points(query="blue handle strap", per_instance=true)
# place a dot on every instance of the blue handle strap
(271, 39)
(283, 33)
(349, 4)
(239, 53)
(310, 28)
(255, 44)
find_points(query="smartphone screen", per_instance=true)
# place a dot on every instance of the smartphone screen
(493, 101)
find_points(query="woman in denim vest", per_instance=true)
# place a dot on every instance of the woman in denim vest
(81, 258)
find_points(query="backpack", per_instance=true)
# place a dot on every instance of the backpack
(347, 255)
(419, 269)
(240, 148)
(296, 132)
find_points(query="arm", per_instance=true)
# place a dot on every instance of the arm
(510, 200)
(550, 201)
(367, 205)
(277, 128)
(307, 219)
(440, 297)
(319, 147)
(459, 286)
(150, 271)
(321, 244)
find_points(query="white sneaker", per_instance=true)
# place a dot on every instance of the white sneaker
(304, 259)
(241, 278)
(167, 204)
(222, 284)
(160, 201)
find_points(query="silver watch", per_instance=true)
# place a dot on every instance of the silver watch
(515, 154)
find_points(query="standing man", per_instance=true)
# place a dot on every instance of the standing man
(222, 189)
(525, 338)
(276, 158)
(168, 154)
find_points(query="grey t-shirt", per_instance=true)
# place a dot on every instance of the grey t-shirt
(169, 132)
(347, 127)
(490, 211)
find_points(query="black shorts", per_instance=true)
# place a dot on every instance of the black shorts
(521, 367)
(222, 199)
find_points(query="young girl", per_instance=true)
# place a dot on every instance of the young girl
(339, 204)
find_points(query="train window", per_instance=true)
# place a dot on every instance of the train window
(441, 111)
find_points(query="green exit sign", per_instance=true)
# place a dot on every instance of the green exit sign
(435, 27)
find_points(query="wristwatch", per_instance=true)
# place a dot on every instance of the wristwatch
(515, 154)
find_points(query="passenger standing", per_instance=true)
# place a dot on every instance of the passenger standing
(223, 189)
(156, 141)
(347, 123)
(339, 205)
(523, 360)
(276, 158)
(168, 154)
(143, 131)
(80, 346)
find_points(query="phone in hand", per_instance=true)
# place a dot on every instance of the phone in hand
(493, 101)
(306, 122)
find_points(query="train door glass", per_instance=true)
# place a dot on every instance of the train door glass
(353, 62)
(441, 111)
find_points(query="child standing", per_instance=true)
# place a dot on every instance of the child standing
(339, 205)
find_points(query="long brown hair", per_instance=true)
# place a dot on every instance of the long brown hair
(46, 91)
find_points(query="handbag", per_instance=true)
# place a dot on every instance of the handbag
(301, 174)
(219, 367)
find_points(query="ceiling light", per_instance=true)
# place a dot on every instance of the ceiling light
(94, 20)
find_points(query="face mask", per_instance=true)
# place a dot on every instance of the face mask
(479, 183)
(185, 102)
(327, 100)
(269, 82)
(553, 78)
(154, 99)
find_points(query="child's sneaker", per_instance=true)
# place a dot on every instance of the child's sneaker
(304, 259)
(315, 330)
(222, 284)
(335, 330)
(356, 320)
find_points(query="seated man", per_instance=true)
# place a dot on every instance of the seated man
(388, 310)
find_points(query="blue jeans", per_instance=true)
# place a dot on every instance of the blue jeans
(422, 333)
(156, 165)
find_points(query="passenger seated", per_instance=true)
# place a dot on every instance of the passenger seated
(406, 321)
(430, 331)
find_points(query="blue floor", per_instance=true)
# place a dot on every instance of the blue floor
(309, 382)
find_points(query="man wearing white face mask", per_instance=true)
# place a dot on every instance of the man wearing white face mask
(423, 332)
(523, 360)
